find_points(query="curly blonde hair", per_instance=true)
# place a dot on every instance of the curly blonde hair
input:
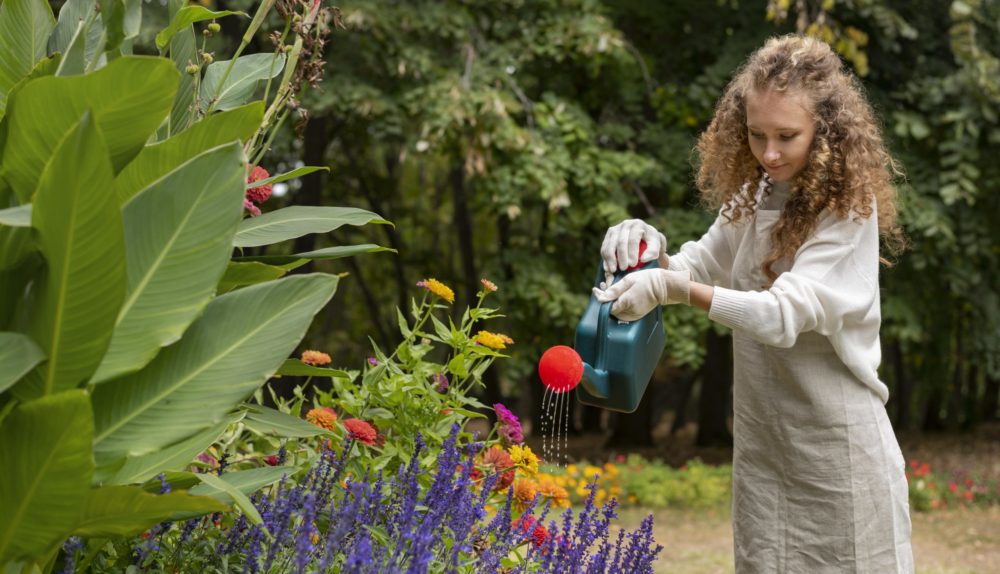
(849, 167)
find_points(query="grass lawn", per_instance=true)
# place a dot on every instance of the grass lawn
(955, 541)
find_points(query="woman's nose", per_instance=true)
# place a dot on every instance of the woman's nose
(771, 154)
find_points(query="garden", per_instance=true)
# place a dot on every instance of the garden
(276, 277)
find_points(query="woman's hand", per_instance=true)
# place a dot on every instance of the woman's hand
(640, 292)
(620, 249)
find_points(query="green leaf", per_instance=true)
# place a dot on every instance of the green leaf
(172, 458)
(183, 51)
(155, 161)
(328, 253)
(298, 172)
(242, 274)
(128, 98)
(74, 59)
(247, 73)
(19, 216)
(266, 421)
(230, 350)
(18, 355)
(128, 510)
(71, 14)
(45, 453)
(80, 234)
(185, 17)
(296, 368)
(131, 24)
(296, 221)
(244, 481)
(24, 32)
(178, 234)
(236, 495)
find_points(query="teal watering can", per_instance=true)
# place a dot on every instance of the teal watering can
(619, 357)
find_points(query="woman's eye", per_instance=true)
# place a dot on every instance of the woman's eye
(757, 136)
(787, 137)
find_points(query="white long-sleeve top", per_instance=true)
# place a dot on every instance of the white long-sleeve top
(831, 288)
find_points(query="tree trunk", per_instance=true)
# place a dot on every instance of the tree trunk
(315, 141)
(714, 400)
(904, 386)
(635, 428)
(462, 219)
(991, 400)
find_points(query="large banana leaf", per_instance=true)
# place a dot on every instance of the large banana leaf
(241, 83)
(79, 229)
(46, 460)
(266, 421)
(177, 236)
(183, 50)
(154, 161)
(24, 32)
(299, 220)
(326, 253)
(172, 458)
(18, 355)
(71, 14)
(246, 482)
(184, 18)
(236, 344)
(242, 274)
(129, 98)
(19, 216)
(128, 510)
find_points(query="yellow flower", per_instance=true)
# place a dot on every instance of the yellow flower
(315, 358)
(524, 459)
(492, 340)
(488, 285)
(438, 288)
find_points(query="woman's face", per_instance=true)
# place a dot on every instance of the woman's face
(780, 129)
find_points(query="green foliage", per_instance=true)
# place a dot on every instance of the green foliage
(121, 359)
(424, 386)
(694, 485)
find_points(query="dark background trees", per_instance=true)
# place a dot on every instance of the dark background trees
(503, 137)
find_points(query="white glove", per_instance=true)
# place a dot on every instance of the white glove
(640, 292)
(620, 249)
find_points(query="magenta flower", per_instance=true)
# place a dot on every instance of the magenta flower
(510, 427)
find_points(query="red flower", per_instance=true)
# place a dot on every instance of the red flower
(538, 533)
(361, 431)
(271, 460)
(969, 495)
(258, 194)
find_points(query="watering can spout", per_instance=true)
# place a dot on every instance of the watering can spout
(595, 381)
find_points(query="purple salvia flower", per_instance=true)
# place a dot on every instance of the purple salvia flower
(164, 485)
(303, 542)
(70, 547)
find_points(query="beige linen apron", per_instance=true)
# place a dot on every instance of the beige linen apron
(818, 477)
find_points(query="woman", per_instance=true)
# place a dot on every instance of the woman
(795, 158)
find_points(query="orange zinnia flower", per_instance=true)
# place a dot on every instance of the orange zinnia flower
(322, 417)
(315, 358)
